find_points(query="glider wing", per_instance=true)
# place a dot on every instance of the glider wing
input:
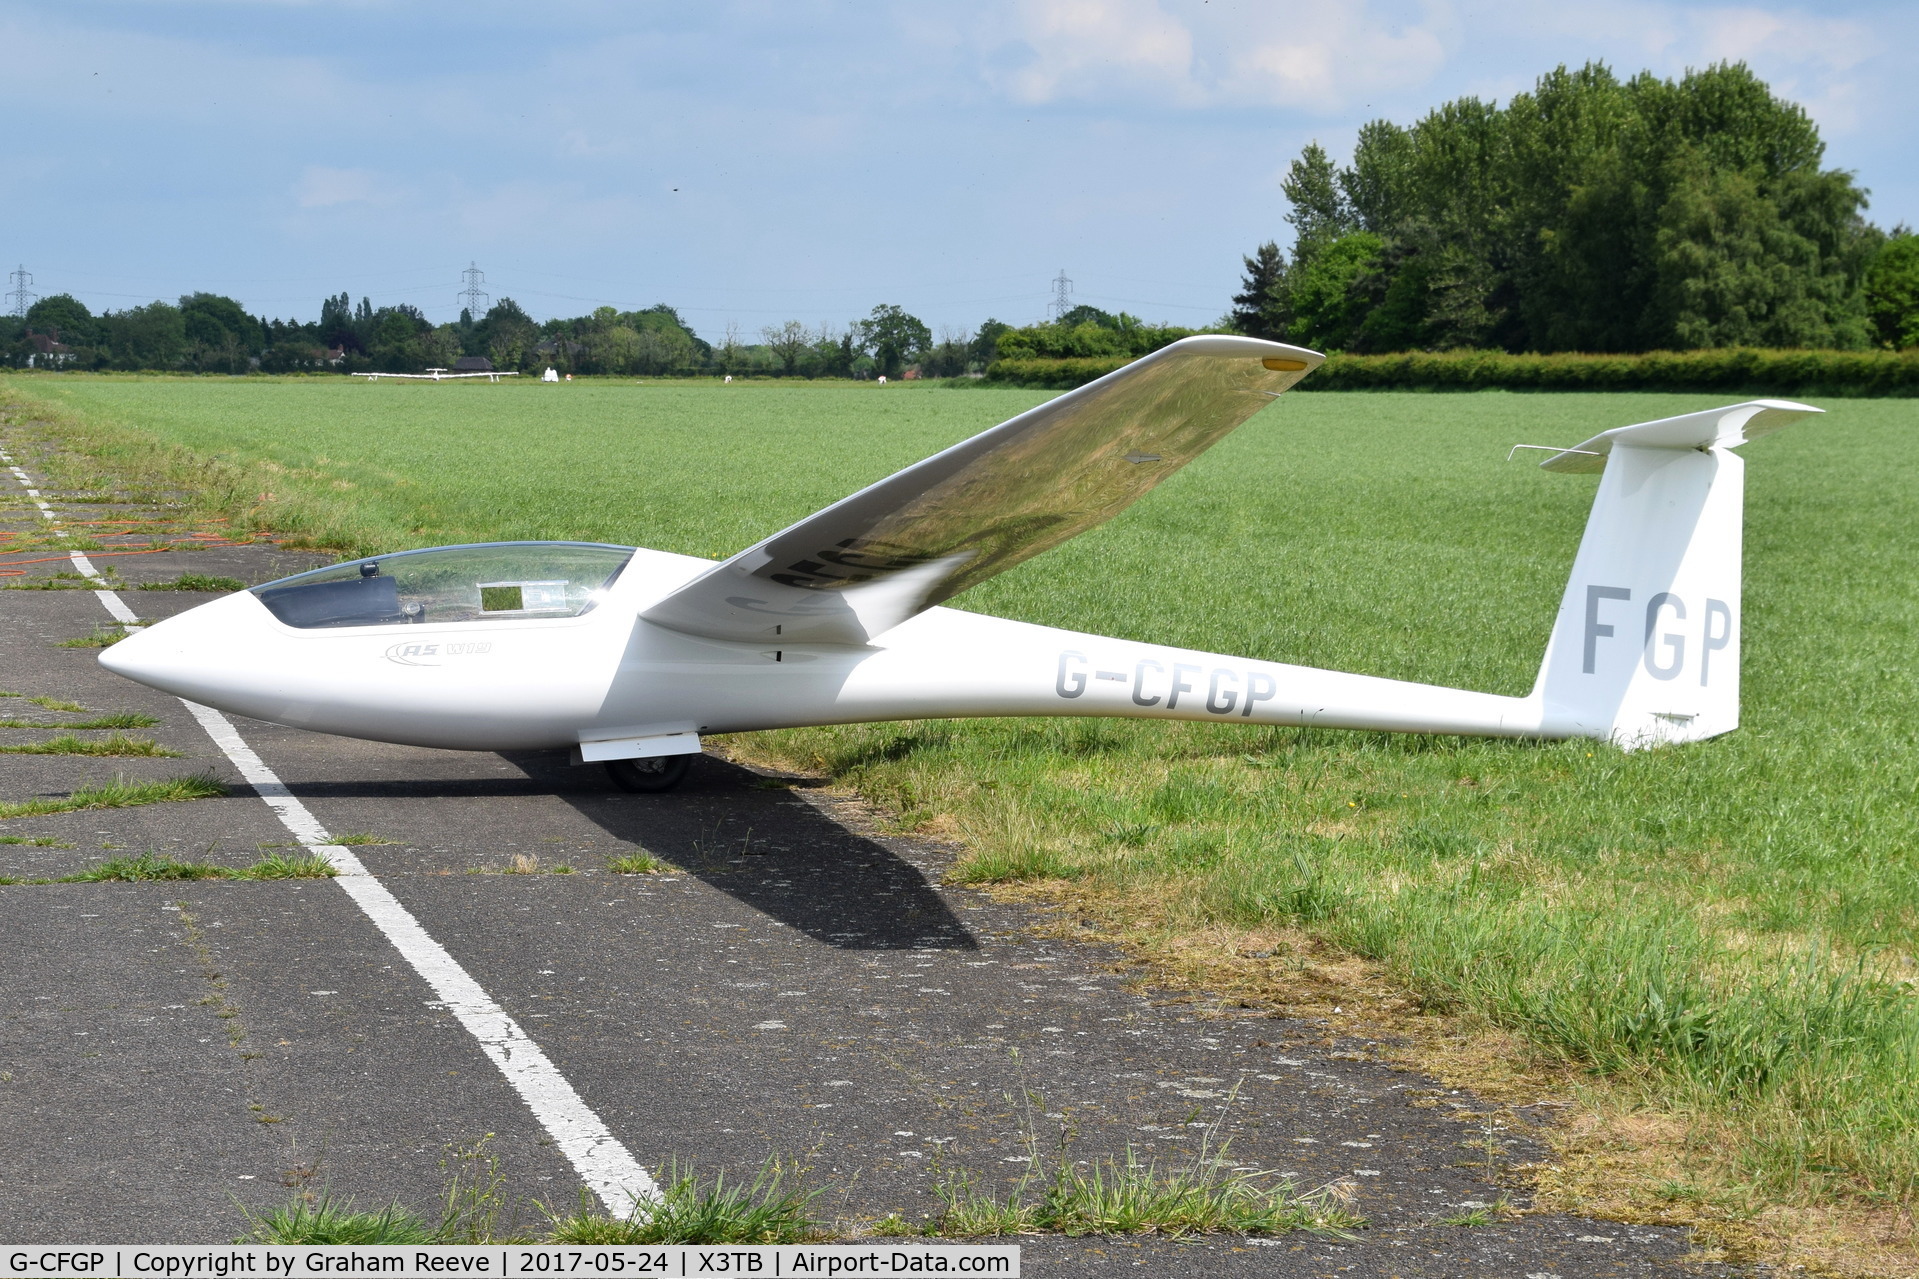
(870, 561)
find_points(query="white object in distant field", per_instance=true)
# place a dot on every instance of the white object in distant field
(622, 654)
(549, 376)
(438, 375)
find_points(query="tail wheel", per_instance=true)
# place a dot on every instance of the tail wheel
(649, 776)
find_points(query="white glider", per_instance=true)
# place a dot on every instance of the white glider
(627, 656)
(438, 375)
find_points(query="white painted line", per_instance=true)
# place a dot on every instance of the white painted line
(603, 1163)
(110, 601)
(114, 605)
(292, 813)
(607, 1168)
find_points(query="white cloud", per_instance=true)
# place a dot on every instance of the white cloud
(1087, 47)
(1337, 54)
(1321, 57)
(1793, 36)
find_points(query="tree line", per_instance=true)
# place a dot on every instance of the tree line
(1591, 214)
(208, 333)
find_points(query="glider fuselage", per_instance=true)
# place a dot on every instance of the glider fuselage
(609, 676)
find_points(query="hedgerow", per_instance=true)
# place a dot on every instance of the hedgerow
(1742, 371)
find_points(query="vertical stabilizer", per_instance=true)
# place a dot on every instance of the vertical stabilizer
(1646, 645)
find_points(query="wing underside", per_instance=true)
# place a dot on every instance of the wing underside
(870, 561)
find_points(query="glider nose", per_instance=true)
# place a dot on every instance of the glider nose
(197, 654)
(136, 656)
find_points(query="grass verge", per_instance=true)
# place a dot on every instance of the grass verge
(120, 793)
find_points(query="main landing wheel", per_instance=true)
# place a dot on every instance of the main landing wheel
(649, 776)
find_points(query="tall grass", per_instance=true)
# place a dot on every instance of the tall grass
(1728, 924)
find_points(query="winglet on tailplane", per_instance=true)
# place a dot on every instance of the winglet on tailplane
(1646, 645)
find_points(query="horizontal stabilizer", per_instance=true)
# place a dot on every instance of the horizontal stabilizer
(1714, 428)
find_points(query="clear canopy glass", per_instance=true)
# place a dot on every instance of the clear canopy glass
(450, 584)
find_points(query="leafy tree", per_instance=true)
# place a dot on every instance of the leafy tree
(986, 342)
(336, 324)
(789, 342)
(394, 340)
(153, 336)
(1260, 308)
(63, 317)
(1092, 315)
(1087, 341)
(220, 334)
(1588, 214)
(893, 338)
(507, 335)
(951, 357)
(1320, 210)
(834, 352)
(1327, 309)
(1892, 292)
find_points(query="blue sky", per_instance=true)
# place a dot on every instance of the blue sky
(755, 162)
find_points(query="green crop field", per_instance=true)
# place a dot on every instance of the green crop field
(1728, 925)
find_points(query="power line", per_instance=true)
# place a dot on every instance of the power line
(1062, 295)
(473, 300)
(21, 297)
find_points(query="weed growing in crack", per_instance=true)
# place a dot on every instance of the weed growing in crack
(475, 1200)
(300, 865)
(101, 637)
(1481, 1215)
(324, 1221)
(120, 793)
(145, 868)
(1128, 1196)
(772, 1208)
(641, 863)
(118, 744)
(153, 868)
(55, 704)
(124, 719)
(196, 582)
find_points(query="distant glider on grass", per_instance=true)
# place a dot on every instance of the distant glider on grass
(626, 656)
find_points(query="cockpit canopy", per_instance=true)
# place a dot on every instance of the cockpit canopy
(450, 584)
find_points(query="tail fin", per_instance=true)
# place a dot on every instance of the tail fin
(1646, 646)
